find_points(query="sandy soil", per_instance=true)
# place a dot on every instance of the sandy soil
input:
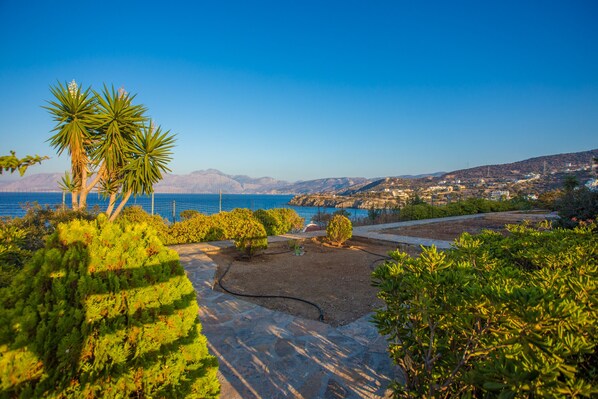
(337, 279)
(449, 231)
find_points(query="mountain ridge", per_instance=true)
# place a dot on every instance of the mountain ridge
(210, 181)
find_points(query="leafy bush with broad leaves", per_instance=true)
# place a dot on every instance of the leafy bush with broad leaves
(495, 316)
(339, 230)
(103, 310)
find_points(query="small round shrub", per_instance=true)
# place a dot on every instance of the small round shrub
(290, 220)
(339, 230)
(251, 237)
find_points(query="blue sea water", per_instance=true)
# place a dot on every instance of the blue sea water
(168, 206)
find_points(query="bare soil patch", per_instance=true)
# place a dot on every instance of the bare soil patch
(336, 279)
(451, 230)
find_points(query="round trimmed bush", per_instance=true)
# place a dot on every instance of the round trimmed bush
(339, 230)
(251, 237)
(104, 310)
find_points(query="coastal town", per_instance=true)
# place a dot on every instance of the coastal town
(527, 179)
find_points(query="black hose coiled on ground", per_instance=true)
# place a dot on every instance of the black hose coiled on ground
(320, 317)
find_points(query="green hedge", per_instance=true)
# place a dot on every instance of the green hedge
(467, 207)
(495, 316)
(103, 310)
(197, 227)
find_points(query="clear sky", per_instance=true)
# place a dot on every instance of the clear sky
(300, 90)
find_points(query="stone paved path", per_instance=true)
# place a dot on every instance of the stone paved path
(269, 354)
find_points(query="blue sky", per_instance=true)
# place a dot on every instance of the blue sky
(300, 90)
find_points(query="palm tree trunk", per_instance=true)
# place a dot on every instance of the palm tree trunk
(83, 195)
(74, 202)
(85, 188)
(121, 205)
(111, 204)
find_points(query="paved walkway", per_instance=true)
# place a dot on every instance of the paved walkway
(269, 354)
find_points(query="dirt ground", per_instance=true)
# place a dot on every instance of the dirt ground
(336, 279)
(451, 230)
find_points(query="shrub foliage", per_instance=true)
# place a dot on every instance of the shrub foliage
(419, 210)
(495, 316)
(103, 310)
(339, 229)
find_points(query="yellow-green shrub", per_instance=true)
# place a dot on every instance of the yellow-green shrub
(251, 237)
(103, 310)
(195, 229)
(339, 229)
(279, 221)
(506, 317)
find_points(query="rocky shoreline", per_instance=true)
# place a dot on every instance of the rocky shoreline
(341, 201)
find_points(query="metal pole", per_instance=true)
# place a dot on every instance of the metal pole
(173, 211)
(152, 203)
(63, 200)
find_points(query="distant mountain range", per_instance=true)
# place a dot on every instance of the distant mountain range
(214, 181)
(203, 182)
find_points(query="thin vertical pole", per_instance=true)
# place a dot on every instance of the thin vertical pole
(173, 211)
(63, 200)
(152, 203)
(220, 207)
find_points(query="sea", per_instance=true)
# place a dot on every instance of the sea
(169, 206)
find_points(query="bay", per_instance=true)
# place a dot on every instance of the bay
(169, 206)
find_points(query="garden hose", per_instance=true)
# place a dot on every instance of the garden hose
(320, 317)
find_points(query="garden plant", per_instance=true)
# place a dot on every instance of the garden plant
(103, 310)
(496, 316)
(339, 230)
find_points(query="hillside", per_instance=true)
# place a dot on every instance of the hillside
(545, 171)
(527, 178)
(541, 165)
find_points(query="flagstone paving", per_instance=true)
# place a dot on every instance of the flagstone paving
(269, 354)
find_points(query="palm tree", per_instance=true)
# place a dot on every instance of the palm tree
(150, 153)
(106, 133)
(73, 112)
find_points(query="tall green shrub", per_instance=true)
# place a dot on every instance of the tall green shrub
(269, 221)
(279, 221)
(496, 316)
(103, 310)
(339, 229)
